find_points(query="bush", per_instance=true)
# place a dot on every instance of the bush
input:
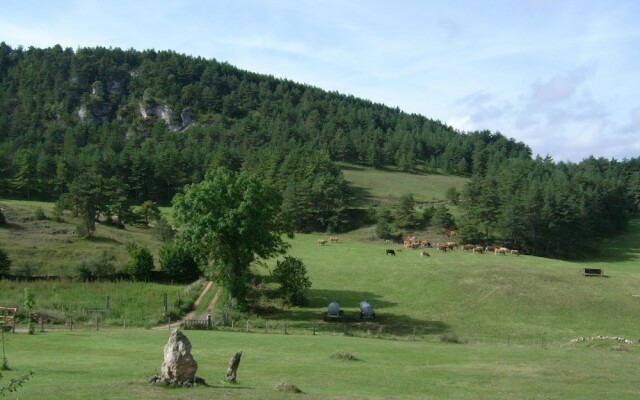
(178, 263)
(291, 273)
(140, 264)
(3, 220)
(27, 268)
(99, 267)
(39, 214)
(163, 230)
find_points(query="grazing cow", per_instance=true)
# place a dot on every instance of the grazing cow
(500, 250)
(322, 242)
(414, 245)
(390, 251)
(452, 245)
(468, 247)
(515, 253)
(424, 254)
(489, 248)
(407, 243)
(442, 247)
(333, 239)
(478, 249)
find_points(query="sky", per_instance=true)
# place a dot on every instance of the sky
(561, 76)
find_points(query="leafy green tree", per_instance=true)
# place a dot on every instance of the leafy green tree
(140, 264)
(5, 262)
(87, 200)
(405, 217)
(164, 230)
(384, 223)
(227, 221)
(148, 211)
(442, 218)
(178, 263)
(452, 195)
(291, 273)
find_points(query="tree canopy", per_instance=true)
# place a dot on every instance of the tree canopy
(229, 220)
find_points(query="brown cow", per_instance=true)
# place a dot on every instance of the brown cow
(478, 249)
(425, 254)
(333, 239)
(322, 242)
(467, 247)
(442, 247)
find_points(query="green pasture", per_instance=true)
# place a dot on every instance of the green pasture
(484, 297)
(55, 247)
(387, 186)
(116, 364)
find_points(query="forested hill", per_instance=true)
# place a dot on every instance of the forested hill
(64, 111)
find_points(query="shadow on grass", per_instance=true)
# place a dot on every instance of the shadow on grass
(103, 239)
(625, 247)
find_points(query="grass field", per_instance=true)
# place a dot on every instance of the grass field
(115, 364)
(387, 186)
(515, 319)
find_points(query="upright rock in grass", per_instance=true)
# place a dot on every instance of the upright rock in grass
(179, 367)
(234, 363)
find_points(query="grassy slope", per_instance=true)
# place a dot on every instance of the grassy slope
(115, 364)
(387, 186)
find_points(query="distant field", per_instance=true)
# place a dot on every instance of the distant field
(116, 364)
(388, 186)
(476, 296)
(55, 247)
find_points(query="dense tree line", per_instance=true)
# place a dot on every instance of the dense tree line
(550, 209)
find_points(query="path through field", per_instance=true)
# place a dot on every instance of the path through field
(192, 314)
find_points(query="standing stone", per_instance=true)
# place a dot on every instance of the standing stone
(178, 367)
(234, 363)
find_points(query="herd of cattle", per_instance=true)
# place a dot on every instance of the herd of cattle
(413, 243)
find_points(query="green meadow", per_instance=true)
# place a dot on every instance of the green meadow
(116, 364)
(453, 325)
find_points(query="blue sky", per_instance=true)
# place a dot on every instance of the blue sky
(561, 76)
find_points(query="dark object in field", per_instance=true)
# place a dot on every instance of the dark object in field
(333, 311)
(390, 251)
(366, 311)
(234, 363)
(288, 387)
(591, 272)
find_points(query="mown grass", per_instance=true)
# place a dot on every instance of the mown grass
(115, 364)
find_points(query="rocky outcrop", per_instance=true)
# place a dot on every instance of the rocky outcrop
(162, 111)
(179, 366)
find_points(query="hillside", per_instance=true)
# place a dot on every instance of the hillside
(156, 120)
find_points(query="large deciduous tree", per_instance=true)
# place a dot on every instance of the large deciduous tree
(227, 221)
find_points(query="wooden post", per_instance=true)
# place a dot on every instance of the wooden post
(414, 334)
(285, 328)
(124, 322)
(234, 363)
(314, 329)
(97, 321)
(247, 325)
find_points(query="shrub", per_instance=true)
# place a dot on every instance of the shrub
(27, 268)
(3, 220)
(140, 264)
(291, 273)
(39, 214)
(178, 263)
(99, 267)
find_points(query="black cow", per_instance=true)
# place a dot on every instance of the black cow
(392, 252)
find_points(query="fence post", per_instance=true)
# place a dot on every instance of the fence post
(266, 326)
(247, 325)
(124, 322)
(413, 337)
(97, 321)
(169, 323)
(285, 328)
(345, 329)
(314, 329)
(232, 327)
